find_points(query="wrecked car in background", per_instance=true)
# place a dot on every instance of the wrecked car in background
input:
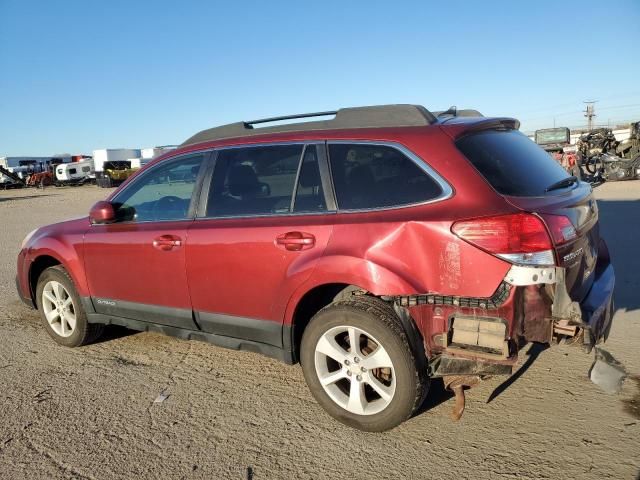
(557, 141)
(380, 248)
(602, 155)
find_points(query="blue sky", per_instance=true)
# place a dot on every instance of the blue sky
(81, 75)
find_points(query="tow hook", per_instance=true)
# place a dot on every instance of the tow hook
(457, 384)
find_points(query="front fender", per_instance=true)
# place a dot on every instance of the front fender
(64, 243)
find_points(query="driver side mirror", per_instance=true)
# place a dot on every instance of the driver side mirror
(102, 212)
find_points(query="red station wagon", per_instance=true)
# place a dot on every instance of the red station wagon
(380, 248)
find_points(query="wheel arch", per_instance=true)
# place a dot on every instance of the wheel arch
(319, 296)
(46, 258)
(39, 265)
(310, 303)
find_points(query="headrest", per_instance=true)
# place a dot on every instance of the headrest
(243, 180)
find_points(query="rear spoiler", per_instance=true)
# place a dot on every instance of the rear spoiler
(461, 128)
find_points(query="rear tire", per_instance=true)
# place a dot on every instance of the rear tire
(375, 386)
(61, 309)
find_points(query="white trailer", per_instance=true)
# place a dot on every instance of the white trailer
(75, 172)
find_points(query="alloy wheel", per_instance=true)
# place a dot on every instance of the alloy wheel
(58, 308)
(355, 370)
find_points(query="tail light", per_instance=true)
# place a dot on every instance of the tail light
(561, 228)
(521, 238)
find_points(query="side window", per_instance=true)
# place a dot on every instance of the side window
(309, 193)
(162, 193)
(254, 180)
(375, 176)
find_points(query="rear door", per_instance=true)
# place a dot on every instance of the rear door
(263, 224)
(136, 266)
(531, 180)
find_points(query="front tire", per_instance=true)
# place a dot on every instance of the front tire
(359, 365)
(61, 310)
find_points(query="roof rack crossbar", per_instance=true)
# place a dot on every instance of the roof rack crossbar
(290, 117)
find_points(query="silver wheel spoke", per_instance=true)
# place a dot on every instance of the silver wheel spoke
(378, 359)
(386, 393)
(49, 296)
(71, 320)
(329, 347)
(357, 400)
(52, 315)
(332, 377)
(58, 291)
(67, 302)
(354, 341)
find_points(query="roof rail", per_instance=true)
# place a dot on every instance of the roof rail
(402, 115)
(291, 117)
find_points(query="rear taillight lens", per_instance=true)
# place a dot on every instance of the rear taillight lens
(561, 228)
(521, 238)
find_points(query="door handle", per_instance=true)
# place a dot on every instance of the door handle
(167, 242)
(296, 241)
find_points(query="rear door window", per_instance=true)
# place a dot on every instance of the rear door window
(511, 162)
(378, 176)
(254, 180)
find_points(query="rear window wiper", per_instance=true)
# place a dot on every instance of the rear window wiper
(565, 182)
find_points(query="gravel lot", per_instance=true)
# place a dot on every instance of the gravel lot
(90, 412)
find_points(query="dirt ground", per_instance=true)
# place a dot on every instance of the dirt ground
(90, 412)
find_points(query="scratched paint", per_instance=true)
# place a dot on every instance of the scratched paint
(450, 266)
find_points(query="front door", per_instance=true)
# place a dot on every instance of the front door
(264, 227)
(136, 266)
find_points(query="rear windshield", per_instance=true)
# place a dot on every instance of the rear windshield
(511, 162)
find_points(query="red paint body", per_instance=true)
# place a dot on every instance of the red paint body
(238, 267)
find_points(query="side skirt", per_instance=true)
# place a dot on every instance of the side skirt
(278, 353)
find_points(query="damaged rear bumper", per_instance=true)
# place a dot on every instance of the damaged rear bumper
(597, 307)
(482, 336)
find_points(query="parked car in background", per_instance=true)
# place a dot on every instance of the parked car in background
(381, 248)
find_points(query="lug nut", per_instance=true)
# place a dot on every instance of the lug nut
(347, 362)
(348, 373)
(359, 377)
(363, 369)
(356, 359)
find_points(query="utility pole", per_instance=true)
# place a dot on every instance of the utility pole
(590, 112)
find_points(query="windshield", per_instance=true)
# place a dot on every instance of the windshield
(512, 163)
